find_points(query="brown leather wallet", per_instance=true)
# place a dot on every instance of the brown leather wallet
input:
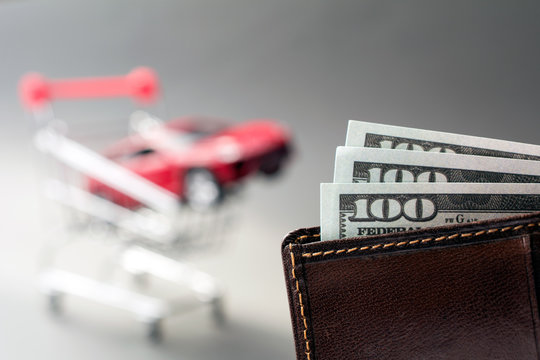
(453, 292)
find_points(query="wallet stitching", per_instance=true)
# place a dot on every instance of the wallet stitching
(300, 238)
(414, 242)
(302, 312)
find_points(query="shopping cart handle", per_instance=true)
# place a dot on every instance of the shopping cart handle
(141, 84)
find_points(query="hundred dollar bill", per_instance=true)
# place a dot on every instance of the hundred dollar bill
(365, 134)
(369, 209)
(369, 165)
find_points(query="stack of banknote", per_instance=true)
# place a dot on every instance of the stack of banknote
(391, 179)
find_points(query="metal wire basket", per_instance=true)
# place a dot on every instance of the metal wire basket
(151, 240)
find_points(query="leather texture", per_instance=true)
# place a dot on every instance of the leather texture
(455, 292)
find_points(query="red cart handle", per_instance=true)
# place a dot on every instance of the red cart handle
(141, 84)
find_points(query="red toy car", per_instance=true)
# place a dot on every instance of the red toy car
(198, 158)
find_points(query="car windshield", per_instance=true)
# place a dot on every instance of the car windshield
(166, 138)
(187, 139)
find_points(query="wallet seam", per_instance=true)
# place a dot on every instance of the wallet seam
(300, 238)
(402, 244)
(300, 301)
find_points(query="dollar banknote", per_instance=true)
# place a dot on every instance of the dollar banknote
(365, 134)
(349, 210)
(370, 165)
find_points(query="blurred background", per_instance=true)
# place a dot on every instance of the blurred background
(467, 67)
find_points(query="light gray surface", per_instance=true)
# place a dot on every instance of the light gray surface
(460, 66)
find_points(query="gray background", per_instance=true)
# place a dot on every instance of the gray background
(459, 66)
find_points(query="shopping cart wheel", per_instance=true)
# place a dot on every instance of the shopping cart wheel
(54, 302)
(155, 331)
(218, 312)
(141, 280)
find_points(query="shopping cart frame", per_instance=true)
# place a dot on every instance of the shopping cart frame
(140, 255)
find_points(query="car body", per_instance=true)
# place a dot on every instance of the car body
(198, 158)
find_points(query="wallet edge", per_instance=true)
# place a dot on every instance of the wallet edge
(296, 242)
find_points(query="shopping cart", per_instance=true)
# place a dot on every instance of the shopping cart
(147, 241)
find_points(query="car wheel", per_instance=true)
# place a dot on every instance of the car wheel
(272, 163)
(201, 189)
